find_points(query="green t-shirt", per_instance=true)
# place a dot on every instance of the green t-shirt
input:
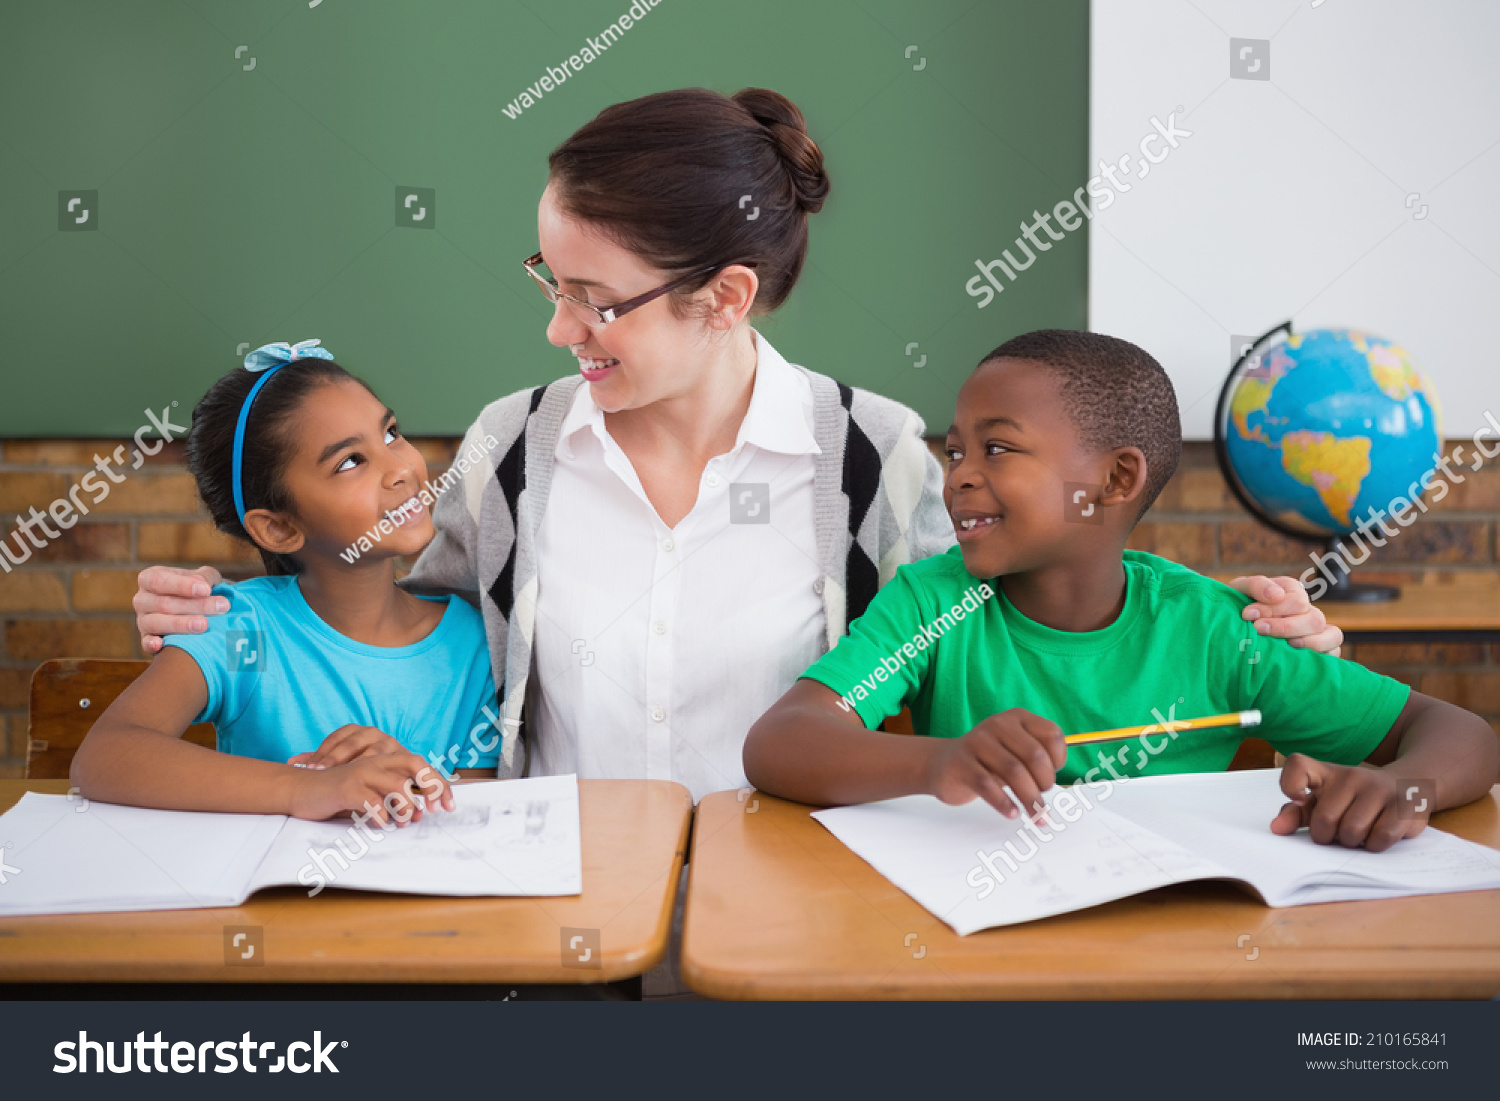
(956, 651)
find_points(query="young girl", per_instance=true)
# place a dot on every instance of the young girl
(325, 658)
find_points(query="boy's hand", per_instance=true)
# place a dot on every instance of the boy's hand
(348, 743)
(365, 785)
(1357, 807)
(1014, 748)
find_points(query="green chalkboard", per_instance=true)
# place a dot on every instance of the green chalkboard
(238, 162)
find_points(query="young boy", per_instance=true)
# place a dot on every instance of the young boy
(1040, 622)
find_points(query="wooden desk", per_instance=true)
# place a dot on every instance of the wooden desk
(1422, 614)
(634, 838)
(777, 907)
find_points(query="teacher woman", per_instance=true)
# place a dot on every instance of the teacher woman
(662, 542)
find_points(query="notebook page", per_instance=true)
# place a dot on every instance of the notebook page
(508, 837)
(1225, 817)
(79, 856)
(933, 852)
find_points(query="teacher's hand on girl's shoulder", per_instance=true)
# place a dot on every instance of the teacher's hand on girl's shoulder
(349, 743)
(377, 789)
(171, 601)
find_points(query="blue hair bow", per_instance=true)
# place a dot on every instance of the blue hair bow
(281, 353)
(266, 360)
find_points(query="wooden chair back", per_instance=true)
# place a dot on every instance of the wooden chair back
(67, 697)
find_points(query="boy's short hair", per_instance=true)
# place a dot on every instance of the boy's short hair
(1115, 393)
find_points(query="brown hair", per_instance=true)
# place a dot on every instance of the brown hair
(664, 175)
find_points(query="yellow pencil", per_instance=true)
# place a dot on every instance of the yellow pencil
(1233, 718)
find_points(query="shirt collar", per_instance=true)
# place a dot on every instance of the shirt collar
(779, 389)
(582, 413)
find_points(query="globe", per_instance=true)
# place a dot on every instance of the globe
(1319, 428)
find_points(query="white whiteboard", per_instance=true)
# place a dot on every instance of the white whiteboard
(1293, 198)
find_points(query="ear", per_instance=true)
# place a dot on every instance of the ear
(276, 532)
(1126, 480)
(731, 294)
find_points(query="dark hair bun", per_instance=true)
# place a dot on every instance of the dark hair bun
(668, 176)
(800, 154)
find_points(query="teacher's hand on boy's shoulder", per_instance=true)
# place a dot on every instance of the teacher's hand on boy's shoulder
(171, 601)
(348, 743)
(1012, 748)
(1282, 610)
(1354, 807)
(377, 789)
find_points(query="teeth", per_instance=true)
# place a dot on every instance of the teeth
(406, 509)
(588, 363)
(978, 521)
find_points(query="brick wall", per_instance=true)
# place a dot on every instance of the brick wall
(72, 598)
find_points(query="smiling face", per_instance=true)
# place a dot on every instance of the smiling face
(350, 468)
(646, 356)
(1012, 452)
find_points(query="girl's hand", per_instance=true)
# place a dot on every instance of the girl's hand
(1014, 748)
(383, 786)
(348, 743)
(1357, 807)
(1283, 611)
(170, 601)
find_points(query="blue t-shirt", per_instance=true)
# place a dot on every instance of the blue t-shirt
(280, 680)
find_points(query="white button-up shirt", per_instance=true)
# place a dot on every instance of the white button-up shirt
(657, 647)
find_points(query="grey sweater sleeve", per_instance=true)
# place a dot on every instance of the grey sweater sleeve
(450, 563)
(931, 530)
(914, 524)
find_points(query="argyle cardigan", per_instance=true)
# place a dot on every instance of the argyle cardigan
(878, 505)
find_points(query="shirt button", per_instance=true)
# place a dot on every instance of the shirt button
(659, 627)
(818, 586)
(667, 545)
(712, 479)
(657, 714)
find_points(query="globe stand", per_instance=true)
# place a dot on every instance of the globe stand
(1344, 591)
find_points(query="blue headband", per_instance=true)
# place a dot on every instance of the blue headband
(268, 358)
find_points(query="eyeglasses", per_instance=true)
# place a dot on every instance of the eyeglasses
(593, 316)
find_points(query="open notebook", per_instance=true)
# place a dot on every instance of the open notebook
(974, 869)
(64, 855)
